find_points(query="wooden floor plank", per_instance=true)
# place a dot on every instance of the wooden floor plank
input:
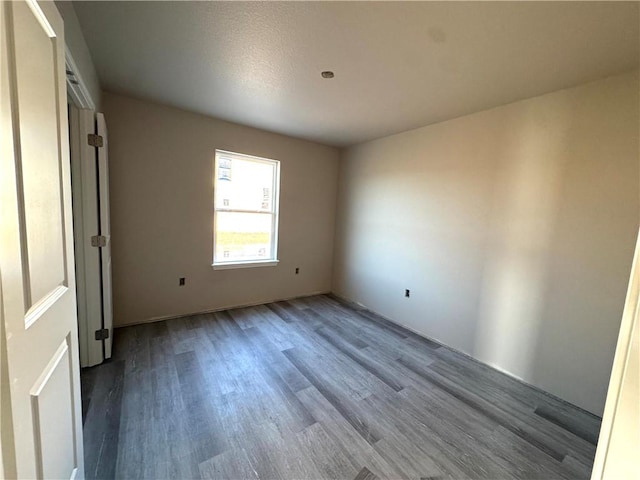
(568, 422)
(102, 440)
(366, 474)
(448, 450)
(278, 457)
(200, 412)
(359, 452)
(546, 443)
(328, 458)
(232, 464)
(340, 401)
(317, 388)
(509, 406)
(369, 363)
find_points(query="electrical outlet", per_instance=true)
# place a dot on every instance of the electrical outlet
(181, 282)
(297, 270)
(407, 293)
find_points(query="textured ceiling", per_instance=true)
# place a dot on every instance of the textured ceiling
(397, 65)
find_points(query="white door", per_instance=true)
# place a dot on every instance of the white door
(85, 225)
(43, 434)
(105, 231)
(619, 441)
(90, 185)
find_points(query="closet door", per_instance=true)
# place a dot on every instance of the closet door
(41, 381)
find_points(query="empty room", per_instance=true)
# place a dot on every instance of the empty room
(319, 240)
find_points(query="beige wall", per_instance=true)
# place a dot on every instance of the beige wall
(75, 42)
(161, 186)
(514, 229)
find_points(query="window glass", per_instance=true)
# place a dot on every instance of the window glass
(245, 208)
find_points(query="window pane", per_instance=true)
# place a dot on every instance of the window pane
(244, 184)
(243, 236)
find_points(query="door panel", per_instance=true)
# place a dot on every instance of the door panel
(36, 247)
(53, 427)
(105, 230)
(87, 224)
(42, 221)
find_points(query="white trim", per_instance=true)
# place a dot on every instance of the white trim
(240, 210)
(36, 311)
(163, 318)
(248, 156)
(42, 18)
(77, 91)
(258, 263)
(630, 320)
(42, 381)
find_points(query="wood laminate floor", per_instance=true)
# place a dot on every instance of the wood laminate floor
(311, 389)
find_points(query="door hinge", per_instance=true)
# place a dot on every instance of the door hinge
(98, 241)
(95, 140)
(102, 334)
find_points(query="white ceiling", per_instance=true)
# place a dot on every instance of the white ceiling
(397, 65)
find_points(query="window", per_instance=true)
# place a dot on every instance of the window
(245, 218)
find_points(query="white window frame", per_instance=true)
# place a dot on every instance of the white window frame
(275, 212)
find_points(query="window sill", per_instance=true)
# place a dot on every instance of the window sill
(259, 263)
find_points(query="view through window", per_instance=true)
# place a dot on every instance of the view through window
(245, 209)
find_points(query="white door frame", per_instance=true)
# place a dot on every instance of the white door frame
(87, 219)
(619, 441)
(7, 447)
(105, 233)
(76, 87)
